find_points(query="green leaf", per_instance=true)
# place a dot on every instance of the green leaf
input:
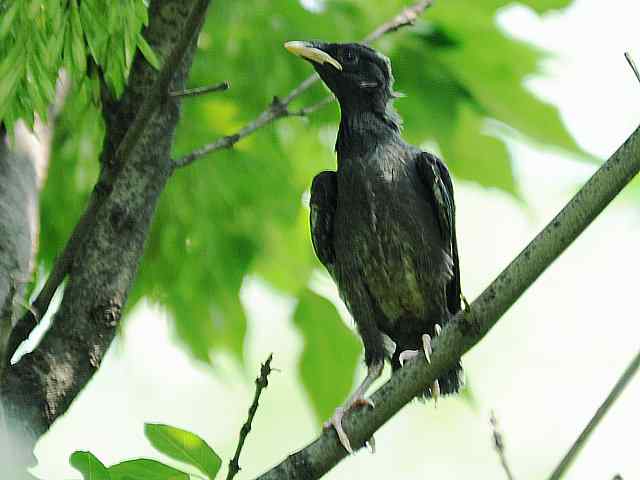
(496, 81)
(78, 51)
(330, 354)
(184, 446)
(90, 467)
(145, 469)
(7, 19)
(148, 52)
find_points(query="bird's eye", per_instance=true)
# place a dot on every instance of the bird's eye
(349, 57)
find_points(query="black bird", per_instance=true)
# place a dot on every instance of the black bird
(383, 224)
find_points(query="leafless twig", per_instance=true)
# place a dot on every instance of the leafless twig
(498, 444)
(632, 64)
(580, 442)
(261, 383)
(196, 92)
(306, 111)
(279, 108)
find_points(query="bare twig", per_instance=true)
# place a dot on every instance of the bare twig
(632, 64)
(498, 444)
(279, 108)
(580, 442)
(195, 92)
(407, 17)
(306, 111)
(63, 262)
(261, 383)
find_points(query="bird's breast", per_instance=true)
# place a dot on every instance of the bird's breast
(384, 235)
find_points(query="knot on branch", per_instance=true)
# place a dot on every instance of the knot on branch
(108, 314)
(278, 107)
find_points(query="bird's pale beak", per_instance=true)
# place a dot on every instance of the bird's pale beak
(308, 51)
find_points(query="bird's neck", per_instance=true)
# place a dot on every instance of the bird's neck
(362, 132)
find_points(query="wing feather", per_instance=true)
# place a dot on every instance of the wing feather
(323, 202)
(435, 177)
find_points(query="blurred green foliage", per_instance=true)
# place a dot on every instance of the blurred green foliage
(241, 212)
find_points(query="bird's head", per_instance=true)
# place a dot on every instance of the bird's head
(360, 78)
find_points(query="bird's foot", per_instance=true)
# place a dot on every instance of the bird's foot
(426, 348)
(336, 422)
(407, 355)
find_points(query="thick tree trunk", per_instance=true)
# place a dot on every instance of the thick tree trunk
(41, 386)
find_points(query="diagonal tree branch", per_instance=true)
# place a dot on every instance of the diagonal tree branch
(468, 328)
(279, 107)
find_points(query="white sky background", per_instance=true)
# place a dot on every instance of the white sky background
(544, 368)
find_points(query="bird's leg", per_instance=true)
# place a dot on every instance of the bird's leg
(356, 399)
(427, 350)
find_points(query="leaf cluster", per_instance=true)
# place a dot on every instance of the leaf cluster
(94, 41)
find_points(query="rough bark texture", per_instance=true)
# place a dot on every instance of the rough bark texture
(42, 385)
(467, 329)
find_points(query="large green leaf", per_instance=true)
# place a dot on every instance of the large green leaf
(184, 446)
(90, 467)
(330, 354)
(145, 469)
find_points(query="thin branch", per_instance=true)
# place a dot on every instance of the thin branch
(632, 64)
(279, 108)
(144, 115)
(198, 91)
(498, 444)
(261, 383)
(580, 442)
(468, 327)
(306, 111)
(407, 17)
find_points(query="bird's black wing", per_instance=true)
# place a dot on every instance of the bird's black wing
(324, 196)
(435, 177)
